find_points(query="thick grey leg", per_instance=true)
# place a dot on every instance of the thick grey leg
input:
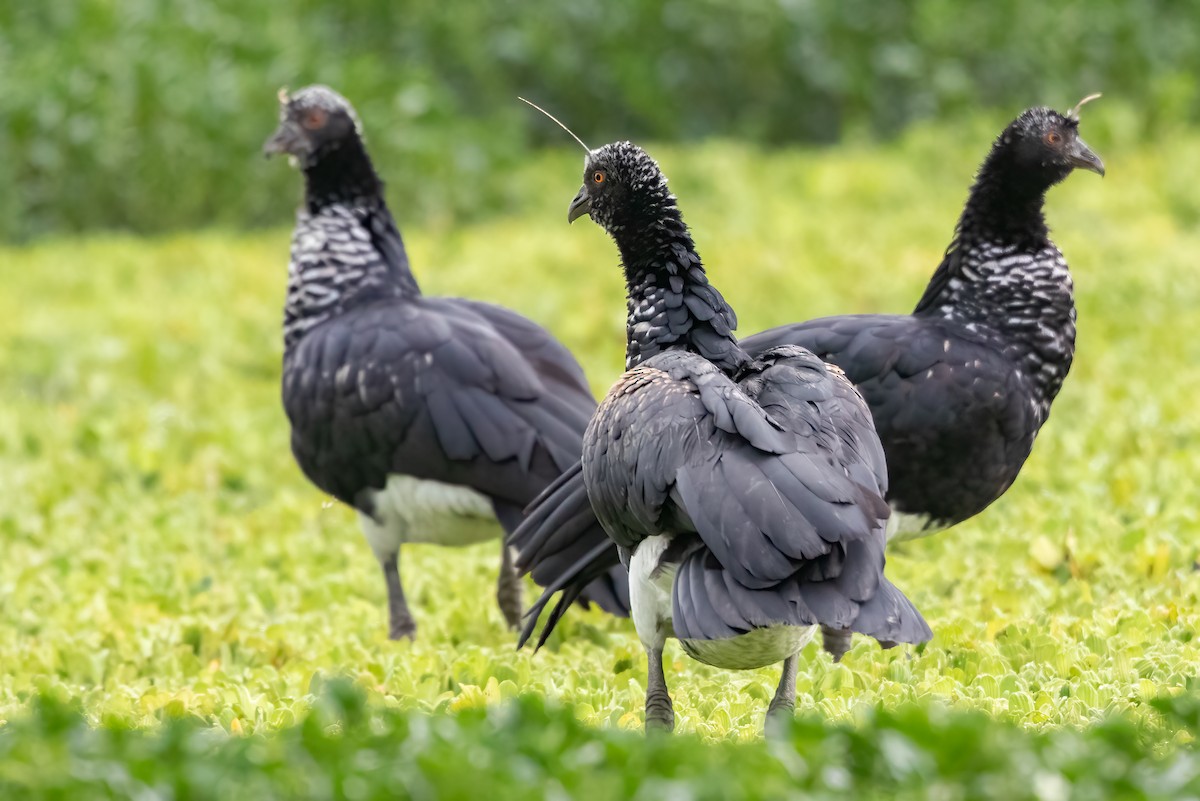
(783, 705)
(508, 588)
(836, 641)
(660, 714)
(400, 620)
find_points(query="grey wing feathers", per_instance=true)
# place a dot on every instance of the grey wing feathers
(753, 469)
(762, 517)
(791, 383)
(790, 534)
(708, 603)
(465, 400)
(553, 362)
(891, 618)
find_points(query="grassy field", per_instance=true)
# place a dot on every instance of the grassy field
(163, 556)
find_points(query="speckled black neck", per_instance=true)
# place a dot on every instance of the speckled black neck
(671, 304)
(346, 248)
(1003, 278)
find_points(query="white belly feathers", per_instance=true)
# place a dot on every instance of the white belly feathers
(650, 593)
(754, 649)
(410, 509)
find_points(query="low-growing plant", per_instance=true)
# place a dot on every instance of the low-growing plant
(350, 748)
(163, 557)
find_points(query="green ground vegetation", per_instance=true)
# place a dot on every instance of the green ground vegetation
(164, 558)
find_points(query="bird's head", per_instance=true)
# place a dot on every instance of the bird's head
(312, 122)
(1045, 145)
(621, 184)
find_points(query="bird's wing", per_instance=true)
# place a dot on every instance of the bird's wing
(435, 390)
(844, 590)
(769, 489)
(818, 400)
(792, 537)
(564, 384)
(677, 446)
(426, 388)
(954, 412)
(915, 373)
(671, 413)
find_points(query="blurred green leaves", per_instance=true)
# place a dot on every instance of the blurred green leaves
(148, 115)
(350, 748)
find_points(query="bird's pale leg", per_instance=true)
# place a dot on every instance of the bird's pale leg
(783, 705)
(508, 588)
(835, 641)
(660, 714)
(400, 620)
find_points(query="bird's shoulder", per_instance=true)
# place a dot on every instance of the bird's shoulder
(682, 390)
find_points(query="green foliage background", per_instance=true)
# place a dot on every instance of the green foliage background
(148, 115)
(163, 557)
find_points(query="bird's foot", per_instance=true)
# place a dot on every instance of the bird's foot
(403, 628)
(660, 715)
(779, 714)
(660, 712)
(509, 592)
(510, 597)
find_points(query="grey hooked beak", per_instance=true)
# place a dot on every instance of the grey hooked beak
(286, 139)
(1081, 156)
(581, 205)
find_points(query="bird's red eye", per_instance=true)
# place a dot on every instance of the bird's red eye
(314, 119)
(598, 177)
(1053, 138)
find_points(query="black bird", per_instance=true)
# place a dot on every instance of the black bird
(959, 388)
(433, 417)
(745, 494)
